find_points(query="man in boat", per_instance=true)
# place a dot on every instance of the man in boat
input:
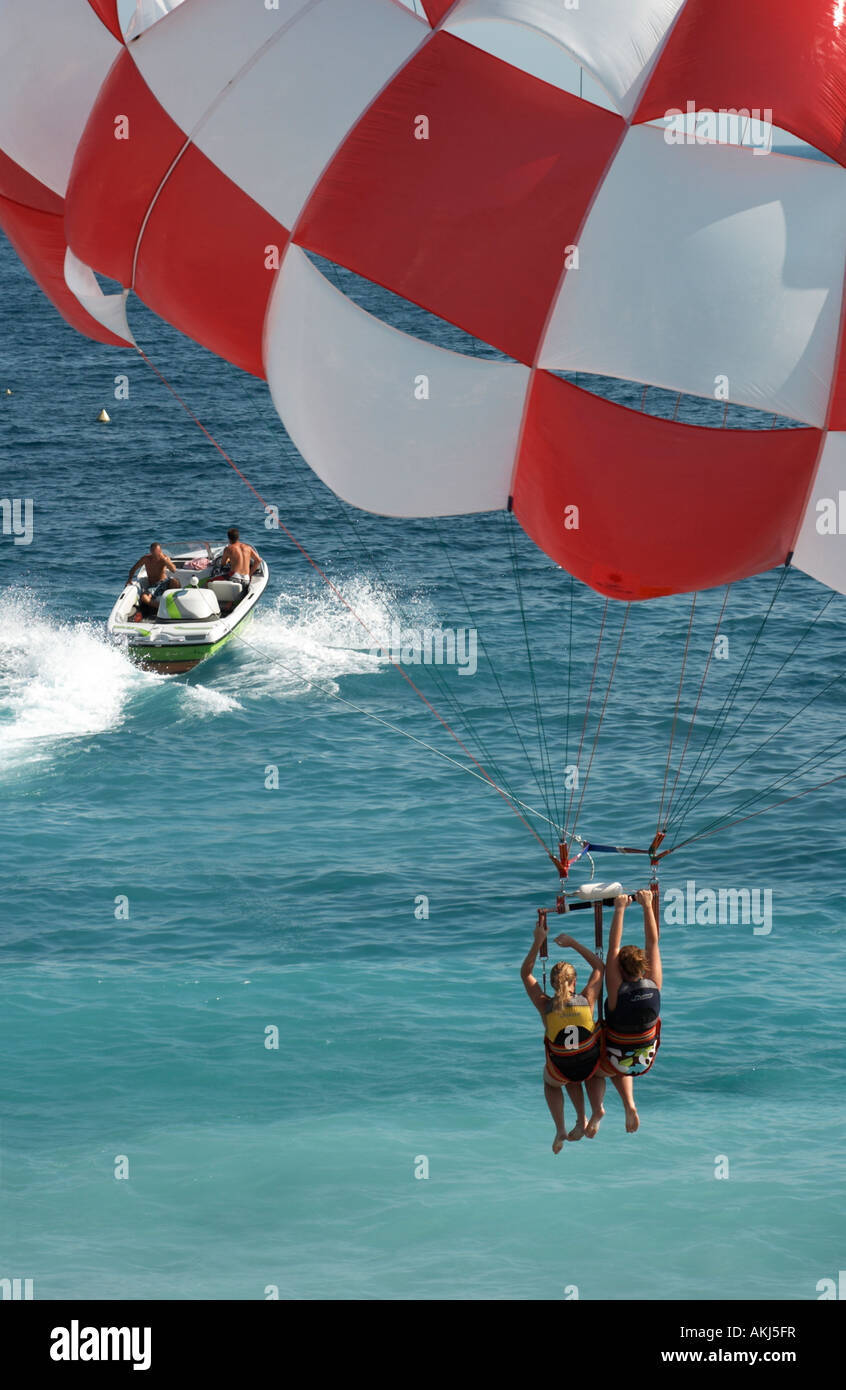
(160, 574)
(239, 561)
(633, 980)
(572, 1040)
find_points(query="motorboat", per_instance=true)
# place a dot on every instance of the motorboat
(192, 622)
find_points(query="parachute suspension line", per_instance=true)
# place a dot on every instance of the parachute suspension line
(698, 699)
(711, 750)
(543, 747)
(758, 700)
(813, 758)
(658, 827)
(585, 720)
(292, 538)
(599, 721)
(692, 721)
(326, 689)
(494, 671)
(727, 825)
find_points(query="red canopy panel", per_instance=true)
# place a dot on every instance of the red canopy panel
(107, 10)
(664, 508)
(202, 262)
(201, 255)
(39, 239)
(436, 9)
(788, 56)
(21, 187)
(113, 182)
(472, 223)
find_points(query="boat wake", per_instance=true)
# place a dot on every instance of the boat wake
(199, 701)
(58, 681)
(304, 638)
(65, 681)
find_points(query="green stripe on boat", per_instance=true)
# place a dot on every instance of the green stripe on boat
(182, 652)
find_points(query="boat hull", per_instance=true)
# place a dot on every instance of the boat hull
(174, 661)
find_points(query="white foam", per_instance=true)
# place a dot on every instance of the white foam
(58, 681)
(308, 635)
(200, 701)
(65, 681)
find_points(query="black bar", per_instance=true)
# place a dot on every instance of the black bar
(207, 1341)
(588, 902)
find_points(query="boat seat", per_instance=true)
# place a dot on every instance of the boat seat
(185, 576)
(226, 590)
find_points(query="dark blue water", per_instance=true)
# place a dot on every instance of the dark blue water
(137, 1044)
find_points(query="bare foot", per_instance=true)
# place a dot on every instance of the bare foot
(593, 1123)
(632, 1121)
(558, 1142)
(577, 1132)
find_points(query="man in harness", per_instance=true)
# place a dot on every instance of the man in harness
(633, 979)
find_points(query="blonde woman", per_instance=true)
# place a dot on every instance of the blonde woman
(633, 980)
(571, 1037)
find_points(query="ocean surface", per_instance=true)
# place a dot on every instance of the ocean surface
(191, 863)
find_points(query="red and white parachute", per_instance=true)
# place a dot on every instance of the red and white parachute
(446, 155)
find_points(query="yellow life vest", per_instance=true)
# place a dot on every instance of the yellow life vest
(572, 1041)
(577, 1014)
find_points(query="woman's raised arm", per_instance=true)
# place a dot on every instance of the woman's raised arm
(613, 974)
(531, 985)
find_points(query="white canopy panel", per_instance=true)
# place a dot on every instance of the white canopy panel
(145, 14)
(821, 547)
(721, 271)
(533, 53)
(390, 423)
(54, 57)
(107, 309)
(271, 114)
(188, 62)
(616, 40)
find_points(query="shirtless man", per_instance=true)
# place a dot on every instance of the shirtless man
(156, 565)
(239, 561)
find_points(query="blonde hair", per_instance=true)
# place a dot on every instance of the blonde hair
(562, 977)
(633, 963)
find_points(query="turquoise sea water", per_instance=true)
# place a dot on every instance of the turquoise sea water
(399, 1039)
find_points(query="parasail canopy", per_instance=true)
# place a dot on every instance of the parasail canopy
(511, 167)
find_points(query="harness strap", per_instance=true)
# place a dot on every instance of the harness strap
(634, 1038)
(572, 1052)
(565, 1051)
